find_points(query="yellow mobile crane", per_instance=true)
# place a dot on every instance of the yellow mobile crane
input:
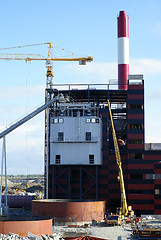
(49, 59)
(125, 210)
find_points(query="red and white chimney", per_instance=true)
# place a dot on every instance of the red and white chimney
(123, 50)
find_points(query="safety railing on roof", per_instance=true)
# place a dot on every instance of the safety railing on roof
(74, 87)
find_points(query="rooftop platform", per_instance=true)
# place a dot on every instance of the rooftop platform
(91, 92)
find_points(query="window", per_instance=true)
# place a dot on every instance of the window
(136, 141)
(135, 191)
(153, 176)
(60, 136)
(136, 155)
(136, 106)
(55, 120)
(157, 191)
(91, 158)
(61, 120)
(150, 176)
(93, 120)
(136, 176)
(157, 176)
(135, 126)
(88, 120)
(57, 159)
(88, 136)
(97, 120)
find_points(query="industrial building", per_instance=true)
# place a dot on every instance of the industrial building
(80, 161)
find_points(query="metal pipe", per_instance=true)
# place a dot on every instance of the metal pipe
(28, 117)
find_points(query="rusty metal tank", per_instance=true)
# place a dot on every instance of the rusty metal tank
(66, 210)
(21, 225)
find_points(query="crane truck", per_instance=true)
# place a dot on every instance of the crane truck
(124, 210)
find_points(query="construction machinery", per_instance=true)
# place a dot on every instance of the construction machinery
(113, 220)
(124, 210)
(49, 59)
(21, 192)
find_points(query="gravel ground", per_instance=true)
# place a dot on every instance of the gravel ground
(106, 232)
(99, 230)
(111, 233)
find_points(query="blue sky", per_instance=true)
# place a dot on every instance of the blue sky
(84, 28)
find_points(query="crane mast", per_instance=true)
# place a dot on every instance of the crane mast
(125, 209)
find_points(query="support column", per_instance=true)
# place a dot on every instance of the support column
(69, 183)
(1, 213)
(97, 182)
(80, 183)
(53, 182)
(6, 208)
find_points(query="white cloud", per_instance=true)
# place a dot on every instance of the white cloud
(25, 148)
(99, 71)
(32, 131)
(102, 71)
(145, 66)
(10, 93)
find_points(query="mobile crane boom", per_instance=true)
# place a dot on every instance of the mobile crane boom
(125, 209)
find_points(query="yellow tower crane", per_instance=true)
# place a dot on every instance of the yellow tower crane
(49, 59)
(125, 210)
(49, 65)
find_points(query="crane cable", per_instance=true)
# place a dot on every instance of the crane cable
(31, 45)
(38, 44)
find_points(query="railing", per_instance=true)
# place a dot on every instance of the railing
(90, 87)
(112, 85)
